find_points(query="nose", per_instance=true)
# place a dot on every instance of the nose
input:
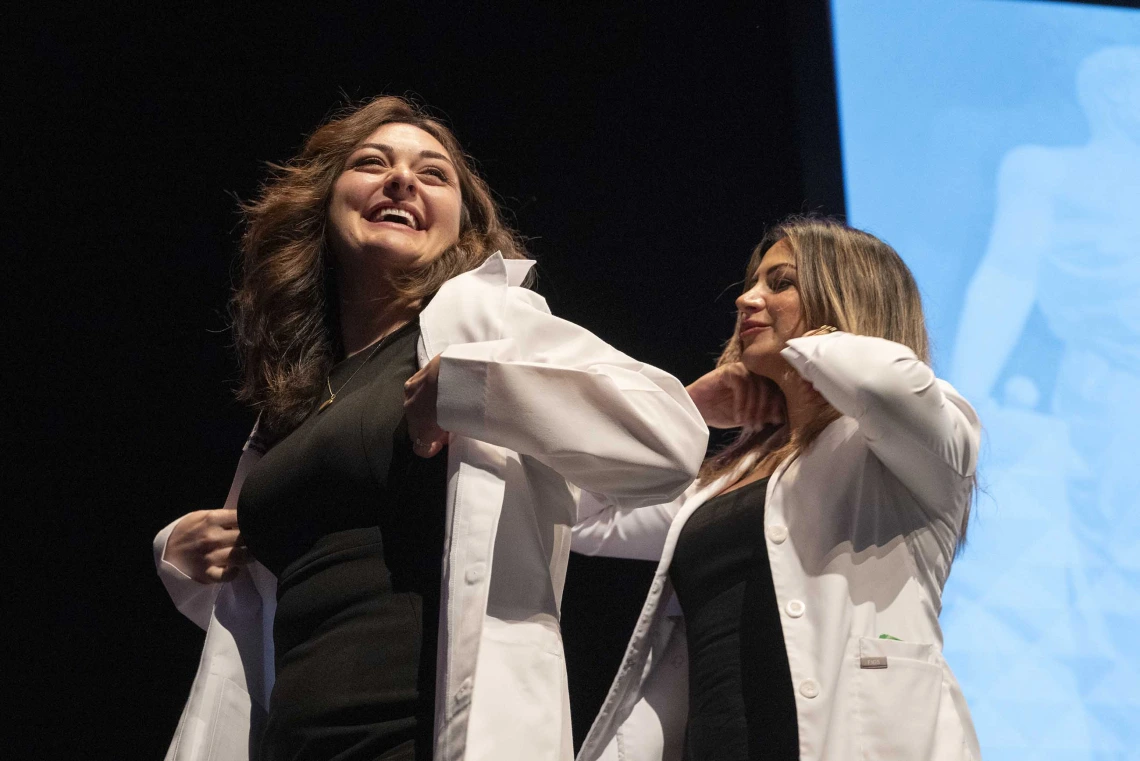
(401, 182)
(750, 301)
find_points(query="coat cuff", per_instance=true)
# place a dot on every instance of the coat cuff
(461, 403)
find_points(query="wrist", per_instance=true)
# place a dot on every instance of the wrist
(174, 562)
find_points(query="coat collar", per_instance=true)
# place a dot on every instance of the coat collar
(469, 307)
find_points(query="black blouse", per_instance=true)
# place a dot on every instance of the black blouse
(352, 524)
(741, 700)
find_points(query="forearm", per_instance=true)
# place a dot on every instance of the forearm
(917, 426)
(605, 422)
(622, 532)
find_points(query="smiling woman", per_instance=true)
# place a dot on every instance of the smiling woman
(322, 275)
(381, 321)
(809, 559)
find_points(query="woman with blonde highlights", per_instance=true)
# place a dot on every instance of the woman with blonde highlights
(401, 514)
(794, 613)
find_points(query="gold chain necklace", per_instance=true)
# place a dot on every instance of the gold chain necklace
(328, 379)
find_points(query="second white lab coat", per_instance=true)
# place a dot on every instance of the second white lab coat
(861, 530)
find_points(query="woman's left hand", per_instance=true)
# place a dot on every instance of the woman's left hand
(420, 394)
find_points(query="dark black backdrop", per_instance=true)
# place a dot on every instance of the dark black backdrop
(643, 148)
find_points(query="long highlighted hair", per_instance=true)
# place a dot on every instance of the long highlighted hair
(848, 279)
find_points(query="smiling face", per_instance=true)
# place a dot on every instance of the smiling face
(770, 311)
(397, 205)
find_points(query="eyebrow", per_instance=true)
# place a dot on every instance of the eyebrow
(425, 154)
(780, 266)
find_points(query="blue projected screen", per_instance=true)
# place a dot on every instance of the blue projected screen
(996, 145)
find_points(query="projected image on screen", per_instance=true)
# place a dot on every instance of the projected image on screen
(996, 145)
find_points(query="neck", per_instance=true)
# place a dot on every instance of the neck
(801, 399)
(370, 311)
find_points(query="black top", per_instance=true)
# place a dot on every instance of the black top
(352, 524)
(741, 702)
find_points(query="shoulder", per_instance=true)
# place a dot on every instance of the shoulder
(471, 307)
(495, 275)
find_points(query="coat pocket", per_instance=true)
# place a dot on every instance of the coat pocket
(898, 691)
(519, 708)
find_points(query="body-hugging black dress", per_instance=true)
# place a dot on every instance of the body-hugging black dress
(352, 523)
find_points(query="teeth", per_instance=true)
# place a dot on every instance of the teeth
(391, 212)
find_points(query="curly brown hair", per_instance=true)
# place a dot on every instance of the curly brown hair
(284, 309)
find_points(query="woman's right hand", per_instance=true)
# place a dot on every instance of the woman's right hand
(732, 397)
(207, 546)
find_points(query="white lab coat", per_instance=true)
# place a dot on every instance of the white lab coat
(538, 409)
(860, 532)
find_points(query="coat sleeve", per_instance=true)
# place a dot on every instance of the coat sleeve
(622, 532)
(916, 425)
(552, 390)
(194, 599)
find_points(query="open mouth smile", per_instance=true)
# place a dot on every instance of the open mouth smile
(394, 215)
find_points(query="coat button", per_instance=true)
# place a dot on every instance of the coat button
(794, 608)
(656, 587)
(475, 573)
(777, 533)
(809, 688)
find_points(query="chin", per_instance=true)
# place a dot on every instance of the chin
(398, 257)
(761, 361)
